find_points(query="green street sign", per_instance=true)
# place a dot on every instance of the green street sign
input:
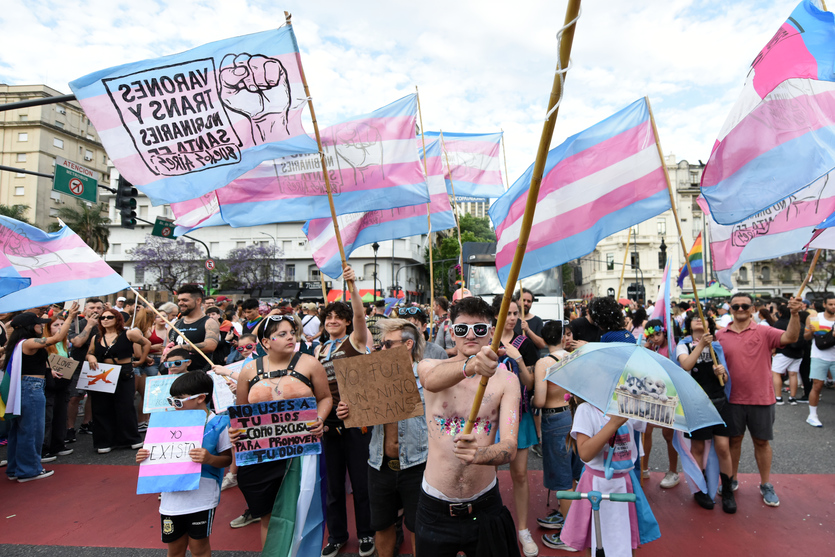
(163, 228)
(75, 180)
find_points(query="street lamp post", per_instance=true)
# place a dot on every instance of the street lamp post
(375, 246)
(275, 249)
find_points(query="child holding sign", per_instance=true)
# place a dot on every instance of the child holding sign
(187, 516)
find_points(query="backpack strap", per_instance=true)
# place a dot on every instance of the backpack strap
(518, 341)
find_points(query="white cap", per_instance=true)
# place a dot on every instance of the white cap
(121, 299)
(726, 306)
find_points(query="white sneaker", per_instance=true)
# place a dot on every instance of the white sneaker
(229, 480)
(529, 547)
(671, 479)
(645, 474)
(814, 421)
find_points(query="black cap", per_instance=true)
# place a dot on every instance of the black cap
(27, 319)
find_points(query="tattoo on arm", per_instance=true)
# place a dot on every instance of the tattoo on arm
(493, 455)
(39, 340)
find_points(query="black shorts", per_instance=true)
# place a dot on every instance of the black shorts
(758, 419)
(259, 483)
(197, 525)
(723, 430)
(389, 491)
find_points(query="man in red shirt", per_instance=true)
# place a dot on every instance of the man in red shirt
(747, 348)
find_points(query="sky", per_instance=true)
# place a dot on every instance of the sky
(481, 66)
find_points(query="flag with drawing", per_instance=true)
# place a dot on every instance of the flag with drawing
(474, 168)
(59, 266)
(372, 165)
(598, 182)
(778, 137)
(183, 125)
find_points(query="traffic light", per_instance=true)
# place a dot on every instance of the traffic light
(214, 282)
(126, 203)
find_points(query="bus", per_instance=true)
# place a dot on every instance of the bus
(483, 280)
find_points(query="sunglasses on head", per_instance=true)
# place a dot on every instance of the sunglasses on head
(175, 363)
(462, 329)
(246, 347)
(288, 318)
(409, 311)
(743, 307)
(179, 402)
(387, 344)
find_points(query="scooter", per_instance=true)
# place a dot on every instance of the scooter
(595, 497)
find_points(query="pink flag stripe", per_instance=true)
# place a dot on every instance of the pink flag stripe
(475, 175)
(764, 130)
(58, 273)
(582, 165)
(544, 233)
(489, 148)
(163, 434)
(168, 469)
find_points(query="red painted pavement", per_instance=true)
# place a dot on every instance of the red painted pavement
(96, 506)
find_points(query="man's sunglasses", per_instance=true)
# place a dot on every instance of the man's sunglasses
(409, 311)
(178, 402)
(175, 363)
(387, 344)
(462, 329)
(743, 307)
(246, 347)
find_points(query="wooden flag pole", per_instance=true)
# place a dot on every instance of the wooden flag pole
(338, 236)
(429, 221)
(454, 213)
(566, 35)
(681, 240)
(623, 268)
(170, 324)
(809, 275)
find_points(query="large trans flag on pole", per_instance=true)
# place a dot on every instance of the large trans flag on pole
(59, 266)
(474, 163)
(778, 230)
(361, 229)
(372, 165)
(598, 182)
(183, 125)
(780, 134)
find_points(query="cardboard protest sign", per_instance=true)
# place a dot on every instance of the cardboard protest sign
(379, 388)
(64, 366)
(103, 379)
(169, 438)
(222, 395)
(274, 430)
(157, 389)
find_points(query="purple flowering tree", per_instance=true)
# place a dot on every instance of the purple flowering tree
(254, 266)
(172, 262)
(795, 269)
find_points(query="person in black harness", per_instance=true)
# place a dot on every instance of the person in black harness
(114, 416)
(282, 374)
(201, 330)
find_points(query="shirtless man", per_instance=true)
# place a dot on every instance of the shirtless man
(460, 501)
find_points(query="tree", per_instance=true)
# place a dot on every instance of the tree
(89, 223)
(17, 212)
(174, 262)
(473, 229)
(255, 266)
(793, 268)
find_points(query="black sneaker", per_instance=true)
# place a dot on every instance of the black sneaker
(86, 429)
(780, 401)
(366, 547)
(332, 549)
(70, 437)
(803, 400)
(43, 474)
(48, 457)
(792, 401)
(537, 450)
(63, 451)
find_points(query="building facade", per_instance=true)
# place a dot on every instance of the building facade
(31, 138)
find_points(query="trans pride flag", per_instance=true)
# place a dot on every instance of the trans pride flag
(183, 125)
(474, 163)
(59, 266)
(780, 135)
(599, 181)
(361, 229)
(696, 260)
(661, 310)
(297, 521)
(372, 165)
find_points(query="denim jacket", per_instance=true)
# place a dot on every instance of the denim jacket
(412, 434)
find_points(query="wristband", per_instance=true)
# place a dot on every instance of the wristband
(464, 369)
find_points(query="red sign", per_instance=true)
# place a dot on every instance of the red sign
(76, 186)
(210, 264)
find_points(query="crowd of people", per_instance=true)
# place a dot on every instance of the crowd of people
(424, 472)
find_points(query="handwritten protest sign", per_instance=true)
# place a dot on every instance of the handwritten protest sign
(169, 438)
(64, 366)
(222, 395)
(103, 379)
(157, 389)
(379, 388)
(274, 430)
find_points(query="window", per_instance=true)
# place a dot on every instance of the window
(290, 272)
(53, 162)
(59, 124)
(239, 245)
(214, 247)
(143, 211)
(662, 226)
(766, 273)
(743, 274)
(23, 136)
(368, 271)
(90, 137)
(58, 143)
(23, 118)
(61, 110)
(138, 275)
(21, 157)
(116, 249)
(286, 245)
(53, 212)
(263, 243)
(88, 155)
(610, 261)
(18, 190)
(633, 230)
(55, 196)
(166, 210)
(635, 260)
(313, 272)
(697, 226)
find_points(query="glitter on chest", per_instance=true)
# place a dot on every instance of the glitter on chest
(455, 425)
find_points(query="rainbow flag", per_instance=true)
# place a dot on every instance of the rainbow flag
(696, 259)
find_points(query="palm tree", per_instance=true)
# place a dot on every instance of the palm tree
(89, 223)
(17, 212)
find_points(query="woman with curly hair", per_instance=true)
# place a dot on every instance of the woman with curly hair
(607, 314)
